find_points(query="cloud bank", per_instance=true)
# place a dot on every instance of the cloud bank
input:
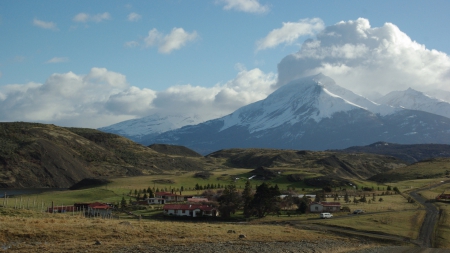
(368, 59)
(102, 97)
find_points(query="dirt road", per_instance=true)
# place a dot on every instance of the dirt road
(426, 235)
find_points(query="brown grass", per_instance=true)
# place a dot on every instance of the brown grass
(405, 223)
(22, 232)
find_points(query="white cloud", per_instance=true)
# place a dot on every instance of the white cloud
(134, 17)
(290, 32)
(251, 6)
(58, 60)
(367, 59)
(176, 39)
(44, 24)
(219, 100)
(131, 44)
(84, 17)
(104, 97)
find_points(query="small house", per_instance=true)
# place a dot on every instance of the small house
(169, 197)
(320, 207)
(99, 209)
(190, 210)
(155, 201)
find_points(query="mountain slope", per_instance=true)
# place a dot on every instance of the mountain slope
(408, 153)
(304, 114)
(151, 125)
(38, 155)
(416, 100)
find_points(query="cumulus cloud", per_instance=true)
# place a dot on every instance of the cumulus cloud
(84, 17)
(134, 17)
(290, 32)
(251, 6)
(367, 59)
(247, 87)
(176, 39)
(58, 60)
(44, 24)
(104, 97)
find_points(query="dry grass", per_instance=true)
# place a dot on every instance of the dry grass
(24, 231)
(395, 202)
(442, 238)
(405, 223)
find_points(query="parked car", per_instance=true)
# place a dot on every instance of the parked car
(326, 215)
(358, 211)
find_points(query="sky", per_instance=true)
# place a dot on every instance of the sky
(96, 63)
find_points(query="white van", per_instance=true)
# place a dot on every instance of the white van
(326, 215)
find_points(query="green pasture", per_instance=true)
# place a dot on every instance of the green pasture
(405, 223)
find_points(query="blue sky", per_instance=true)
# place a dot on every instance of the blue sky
(94, 63)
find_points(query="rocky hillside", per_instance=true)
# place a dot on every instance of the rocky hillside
(339, 165)
(39, 155)
(410, 153)
(432, 168)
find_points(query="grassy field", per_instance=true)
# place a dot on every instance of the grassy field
(405, 223)
(22, 231)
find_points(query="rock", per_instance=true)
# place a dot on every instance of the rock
(97, 242)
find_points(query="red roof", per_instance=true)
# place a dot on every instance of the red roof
(187, 207)
(98, 205)
(330, 203)
(165, 194)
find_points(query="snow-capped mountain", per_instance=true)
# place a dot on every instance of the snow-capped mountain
(152, 125)
(310, 113)
(416, 100)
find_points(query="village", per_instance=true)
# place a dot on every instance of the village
(209, 204)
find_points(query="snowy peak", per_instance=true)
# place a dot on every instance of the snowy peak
(152, 124)
(416, 100)
(298, 101)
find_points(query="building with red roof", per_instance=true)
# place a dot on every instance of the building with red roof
(99, 209)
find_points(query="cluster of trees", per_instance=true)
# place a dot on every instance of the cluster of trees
(264, 200)
(143, 194)
(208, 186)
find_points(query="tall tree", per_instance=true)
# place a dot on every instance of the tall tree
(247, 197)
(229, 201)
(266, 199)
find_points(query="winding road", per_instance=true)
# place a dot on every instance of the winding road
(424, 241)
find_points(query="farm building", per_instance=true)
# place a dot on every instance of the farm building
(443, 197)
(169, 197)
(190, 210)
(319, 207)
(155, 201)
(99, 209)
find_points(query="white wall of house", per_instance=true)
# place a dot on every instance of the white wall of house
(316, 208)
